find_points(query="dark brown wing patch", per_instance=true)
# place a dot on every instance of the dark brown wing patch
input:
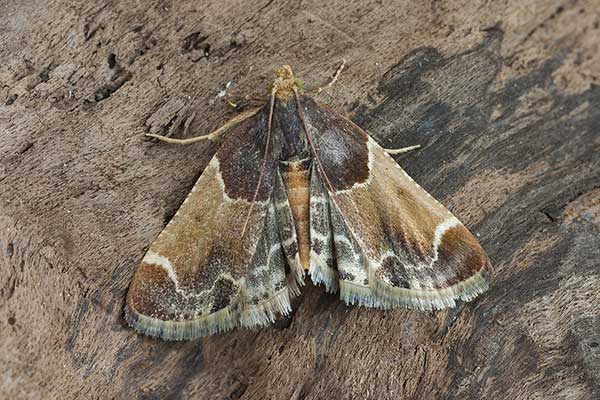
(241, 162)
(346, 149)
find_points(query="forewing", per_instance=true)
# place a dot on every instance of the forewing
(205, 273)
(322, 253)
(395, 244)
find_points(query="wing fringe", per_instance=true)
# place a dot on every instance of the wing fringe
(262, 314)
(320, 272)
(383, 296)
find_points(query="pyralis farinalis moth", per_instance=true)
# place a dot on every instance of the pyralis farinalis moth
(296, 186)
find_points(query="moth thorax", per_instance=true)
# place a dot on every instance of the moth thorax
(289, 130)
(296, 177)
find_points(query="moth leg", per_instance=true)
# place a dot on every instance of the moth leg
(213, 135)
(331, 82)
(252, 101)
(402, 149)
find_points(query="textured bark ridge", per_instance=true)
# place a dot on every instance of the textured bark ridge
(502, 97)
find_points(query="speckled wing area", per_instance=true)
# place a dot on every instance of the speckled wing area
(395, 245)
(322, 252)
(204, 273)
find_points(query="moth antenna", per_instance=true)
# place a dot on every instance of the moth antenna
(213, 135)
(402, 149)
(264, 161)
(333, 80)
(335, 77)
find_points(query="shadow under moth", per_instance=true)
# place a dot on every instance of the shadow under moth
(297, 187)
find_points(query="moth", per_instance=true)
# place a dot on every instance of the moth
(297, 187)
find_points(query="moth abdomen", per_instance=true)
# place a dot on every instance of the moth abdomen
(296, 178)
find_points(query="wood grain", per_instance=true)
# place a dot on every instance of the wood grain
(503, 97)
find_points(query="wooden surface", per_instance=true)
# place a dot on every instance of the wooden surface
(503, 97)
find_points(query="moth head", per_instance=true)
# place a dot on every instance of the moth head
(285, 82)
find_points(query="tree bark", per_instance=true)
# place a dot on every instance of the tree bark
(503, 97)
